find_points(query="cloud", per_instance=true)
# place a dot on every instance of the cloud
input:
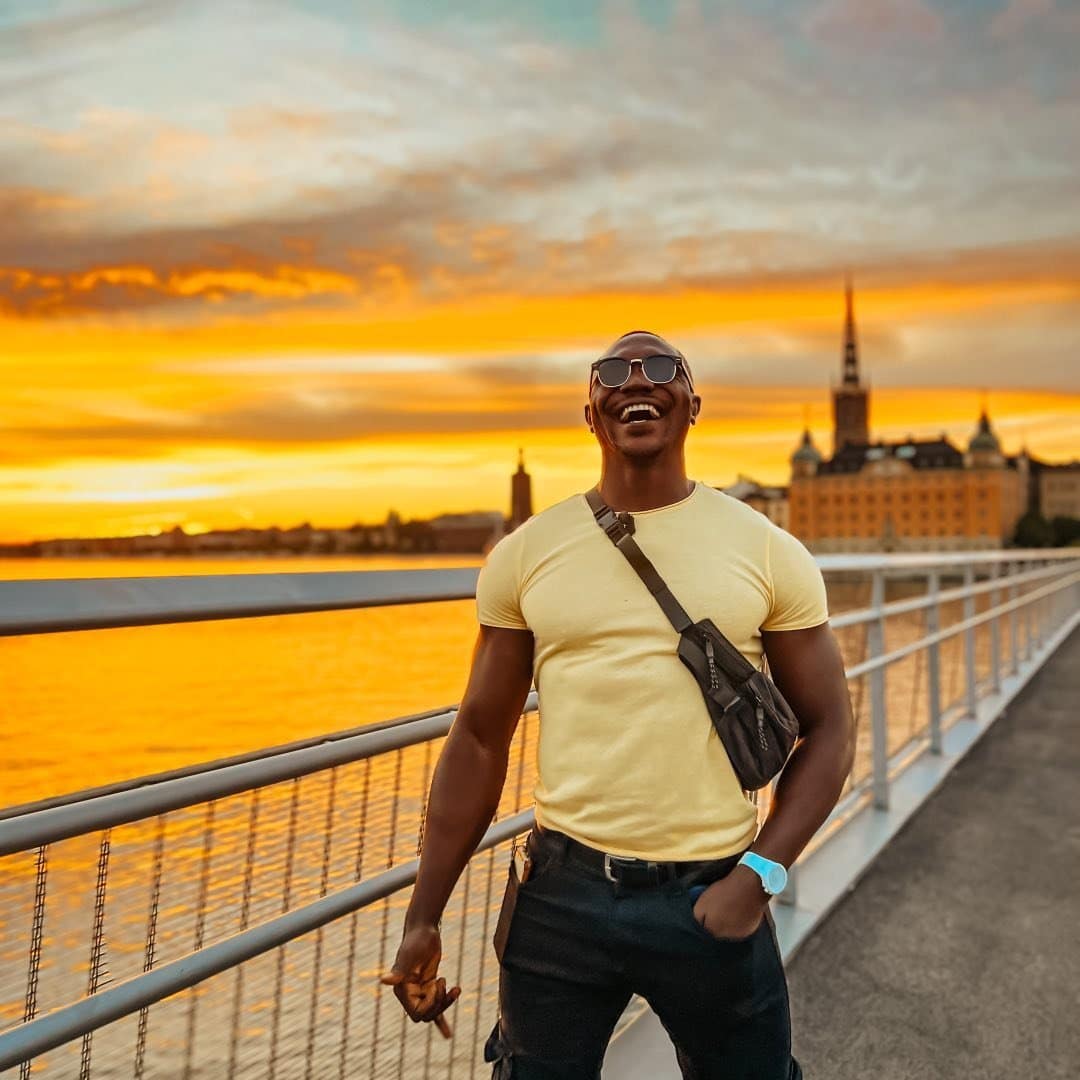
(432, 162)
(1017, 15)
(874, 23)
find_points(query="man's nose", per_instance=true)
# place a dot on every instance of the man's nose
(638, 380)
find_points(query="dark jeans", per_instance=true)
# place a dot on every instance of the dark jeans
(578, 946)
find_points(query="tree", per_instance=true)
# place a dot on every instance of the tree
(1066, 531)
(1033, 530)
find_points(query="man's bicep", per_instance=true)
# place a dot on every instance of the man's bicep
(807, 667)
(499, 682)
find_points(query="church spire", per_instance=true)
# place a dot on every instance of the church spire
(851, 399)
(851, 348)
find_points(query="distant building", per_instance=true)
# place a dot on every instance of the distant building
(770, 501)
(474, 532)
(912, 495)
(521, 508)
(1059, 490)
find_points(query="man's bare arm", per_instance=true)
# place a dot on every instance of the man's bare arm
(471, 770)
(807, 667)
(464, 795)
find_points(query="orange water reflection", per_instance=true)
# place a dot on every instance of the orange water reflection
(91, 707)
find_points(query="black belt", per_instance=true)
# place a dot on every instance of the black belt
(630, 872)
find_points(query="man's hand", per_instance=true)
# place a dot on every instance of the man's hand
(413, 978)
(734, 906)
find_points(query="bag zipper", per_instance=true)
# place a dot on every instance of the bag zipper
(714, 680)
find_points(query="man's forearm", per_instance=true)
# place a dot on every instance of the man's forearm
(464, 796)
(805, 794)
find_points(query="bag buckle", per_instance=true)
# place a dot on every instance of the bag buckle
(615, 526)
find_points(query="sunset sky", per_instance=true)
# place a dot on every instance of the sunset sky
(269, 262)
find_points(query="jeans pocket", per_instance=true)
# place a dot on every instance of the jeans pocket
(689, 897)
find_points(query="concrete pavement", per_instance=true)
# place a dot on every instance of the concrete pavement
(958, 953)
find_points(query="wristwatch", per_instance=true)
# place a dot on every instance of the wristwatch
(773, 875)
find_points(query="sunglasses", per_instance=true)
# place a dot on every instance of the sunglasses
(614, 371)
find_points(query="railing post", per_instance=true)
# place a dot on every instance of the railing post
(971, 697)
(995, 632)
(933, 660)
(1040, 618)
(878, 727)
(1014, 624)
(1029, 622)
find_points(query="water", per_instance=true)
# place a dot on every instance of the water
(91, 707)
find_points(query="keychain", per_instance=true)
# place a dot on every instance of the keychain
(516, 848)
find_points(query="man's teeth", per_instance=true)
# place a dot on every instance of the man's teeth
(644, 408)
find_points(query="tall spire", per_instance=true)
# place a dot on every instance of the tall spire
(520, 493)
(851, 348)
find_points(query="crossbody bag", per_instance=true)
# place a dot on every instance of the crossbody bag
(756, 725)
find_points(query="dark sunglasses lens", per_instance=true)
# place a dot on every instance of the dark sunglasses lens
(659, 369)
(613, 372)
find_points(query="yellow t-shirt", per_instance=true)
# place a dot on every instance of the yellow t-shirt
(628, 761)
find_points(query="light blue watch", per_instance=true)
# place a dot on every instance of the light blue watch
(773, 875)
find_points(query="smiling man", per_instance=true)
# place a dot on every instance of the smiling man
(646, 872)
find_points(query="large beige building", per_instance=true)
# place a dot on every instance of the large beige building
(1059, 491)
(914, 495)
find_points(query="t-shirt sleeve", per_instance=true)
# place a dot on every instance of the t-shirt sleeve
(498, 588)
(798, 589)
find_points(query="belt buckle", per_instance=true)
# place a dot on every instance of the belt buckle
(628, 862)
(608, 859)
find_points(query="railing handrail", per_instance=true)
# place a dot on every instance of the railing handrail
(916, 603)
(56, 605)
(84, 794)
(959, 627)
(32, 830)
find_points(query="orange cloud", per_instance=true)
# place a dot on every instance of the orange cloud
(35, 294)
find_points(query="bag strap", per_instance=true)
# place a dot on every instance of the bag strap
(619, 529)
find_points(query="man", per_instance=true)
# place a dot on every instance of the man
(637, 880)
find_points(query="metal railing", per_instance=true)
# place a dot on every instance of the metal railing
(232, 918)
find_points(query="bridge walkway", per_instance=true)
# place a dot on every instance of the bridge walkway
(958, 953)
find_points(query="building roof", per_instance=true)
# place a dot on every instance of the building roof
(807, 451)
(745, 487)
(918, 453)
(476, 519)
(984, 437)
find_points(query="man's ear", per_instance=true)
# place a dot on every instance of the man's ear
(695, 408)
(588, 416)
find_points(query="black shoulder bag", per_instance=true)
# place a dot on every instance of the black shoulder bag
(754, 722)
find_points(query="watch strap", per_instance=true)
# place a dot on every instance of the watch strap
(760, 865)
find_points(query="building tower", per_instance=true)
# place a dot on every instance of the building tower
(984, 450)
(806, 459)
(520, 494)
(850, 398)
